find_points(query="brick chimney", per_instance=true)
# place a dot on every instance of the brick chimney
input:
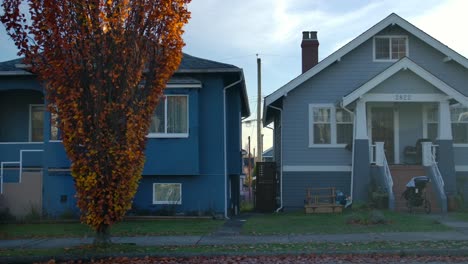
(309, 47)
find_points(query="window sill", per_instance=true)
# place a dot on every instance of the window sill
(167, 202)
(181, 135)
(389, 60)
(460, 145)
(55, 141)
(327, 146)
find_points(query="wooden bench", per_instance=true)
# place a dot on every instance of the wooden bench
(321, 200)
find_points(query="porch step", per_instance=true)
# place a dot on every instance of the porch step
(401, 175)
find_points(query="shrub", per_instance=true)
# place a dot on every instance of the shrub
(33, 215)
(6, 216)
(366, 218)
(377, 217)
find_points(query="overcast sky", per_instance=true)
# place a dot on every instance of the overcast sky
(234, 31)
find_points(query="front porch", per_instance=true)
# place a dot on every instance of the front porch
(406, 116)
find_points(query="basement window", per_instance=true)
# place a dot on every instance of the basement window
(167, 193)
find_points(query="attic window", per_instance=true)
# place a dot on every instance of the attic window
(390, 48)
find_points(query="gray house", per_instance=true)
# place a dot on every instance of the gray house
(389, 105)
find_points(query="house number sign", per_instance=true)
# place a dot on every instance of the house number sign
(402, 97)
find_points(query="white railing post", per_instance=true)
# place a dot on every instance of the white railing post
(427, 155)
(372, 154)
(379, 153)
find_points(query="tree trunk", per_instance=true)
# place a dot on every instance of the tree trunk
(103, 235)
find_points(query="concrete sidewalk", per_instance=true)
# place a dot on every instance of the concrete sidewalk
(237, 239)
(229, 234)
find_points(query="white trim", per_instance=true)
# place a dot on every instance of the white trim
(460, 145)
(172, 135)
(444, 131)
(21, 160)
(187, 85)
(323, 168)
(389, 37)
(404, 98)
(18, 143)
(281, 154)
(166, 202)
(55, 141)
(164, 135)
(396, 135)
(14, 73)
(327, 146)
(461, 168)
(333, 126)
(392, 19)
(404, 64)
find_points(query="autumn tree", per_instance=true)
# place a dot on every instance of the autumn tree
(105, 64)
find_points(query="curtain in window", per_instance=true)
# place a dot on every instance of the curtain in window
(169, 193)
(158, 119)
(177, 114)
(322, 126)
(37, 123)
(344, 127)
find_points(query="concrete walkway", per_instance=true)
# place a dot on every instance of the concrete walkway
(229, 234)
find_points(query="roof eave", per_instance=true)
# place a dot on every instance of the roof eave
(392, 19)
(218, 70)
(15, 73)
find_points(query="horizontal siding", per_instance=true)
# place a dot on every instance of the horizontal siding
(460, 155)
(406, 82)
(329, 86)
(296, 183)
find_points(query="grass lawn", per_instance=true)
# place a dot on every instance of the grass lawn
(460, 215)
(300, 223)
(127, 228)
(132, 250)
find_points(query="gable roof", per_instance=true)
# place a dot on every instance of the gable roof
(405, 64)
(189, 64)
(392, 19)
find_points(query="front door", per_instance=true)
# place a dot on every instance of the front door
(383, 130)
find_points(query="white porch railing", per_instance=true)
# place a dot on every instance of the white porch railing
(377, 157)
(19, 163)
(429, 160)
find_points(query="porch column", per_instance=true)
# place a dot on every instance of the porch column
(445, 127)
(361, 162)
(445, 157)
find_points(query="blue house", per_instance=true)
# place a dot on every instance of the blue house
(389, 105)
(193, 152)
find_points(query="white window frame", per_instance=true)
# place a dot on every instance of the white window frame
(451, 123)
(172, 135)
(30, 122)
(166, 202)
(333, 143)
(389, 37)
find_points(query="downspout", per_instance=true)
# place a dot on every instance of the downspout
(225, 144)
(353, 148)
(281, 159)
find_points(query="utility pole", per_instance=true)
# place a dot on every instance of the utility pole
(249, 179)
(259, 110)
